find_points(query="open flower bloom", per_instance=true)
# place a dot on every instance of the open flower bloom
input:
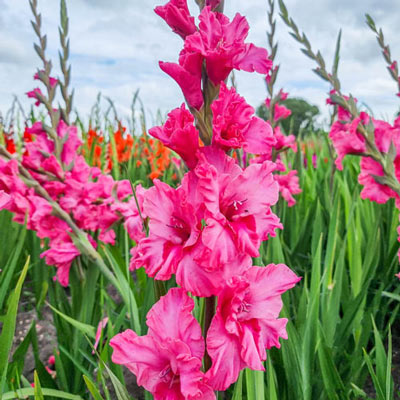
(346, 139)
(179, 134)
(280, 111)
(33, 94)
(288, 186)
(384, 135)
(246, 322)
(222, 44)
(235, 125)
(167, 361)
(176, 14)
(238, 204)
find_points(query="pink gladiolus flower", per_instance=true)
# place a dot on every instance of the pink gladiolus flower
(51, 361)
(33, 94)
(288, 186)
(235, 126)
(283, 95)
(221, 43)
(346, 139)
(71, 144)
(179, 134)
(100, 327)
(167, 361)
(176, 15)
(61, 256)
(238, 205)
(53, 81)
(393, 66)
(246, 322)
(384, 134)
(280, 111)
(284, 141)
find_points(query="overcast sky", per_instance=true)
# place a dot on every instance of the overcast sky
(116, 46)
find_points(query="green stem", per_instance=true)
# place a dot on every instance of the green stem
(209, 311)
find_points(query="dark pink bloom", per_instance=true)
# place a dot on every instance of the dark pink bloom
(283, 95)
(167, 361)
(221, 43)
(33, 94)
(384, 134)
(246, 322)
(284, 141)
(61, 256)
(288, 186)
(238, 205)
(53, 81)
(51, 361)
(280, 111)
(393, 66)
(176, 14)
(173, 228)
(347, 140)
(179, 134)
(235, 126)
(69, 134)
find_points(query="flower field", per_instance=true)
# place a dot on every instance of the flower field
(218, 253)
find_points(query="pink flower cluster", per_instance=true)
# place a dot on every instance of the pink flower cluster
(93, 200)
(210, 226)
(286, 178)
(347, 139)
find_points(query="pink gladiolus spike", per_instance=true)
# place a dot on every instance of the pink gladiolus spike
(176, 15)
(288, 186)
(235, 126)
(166, 361)
(246, 322)
(179, 134)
